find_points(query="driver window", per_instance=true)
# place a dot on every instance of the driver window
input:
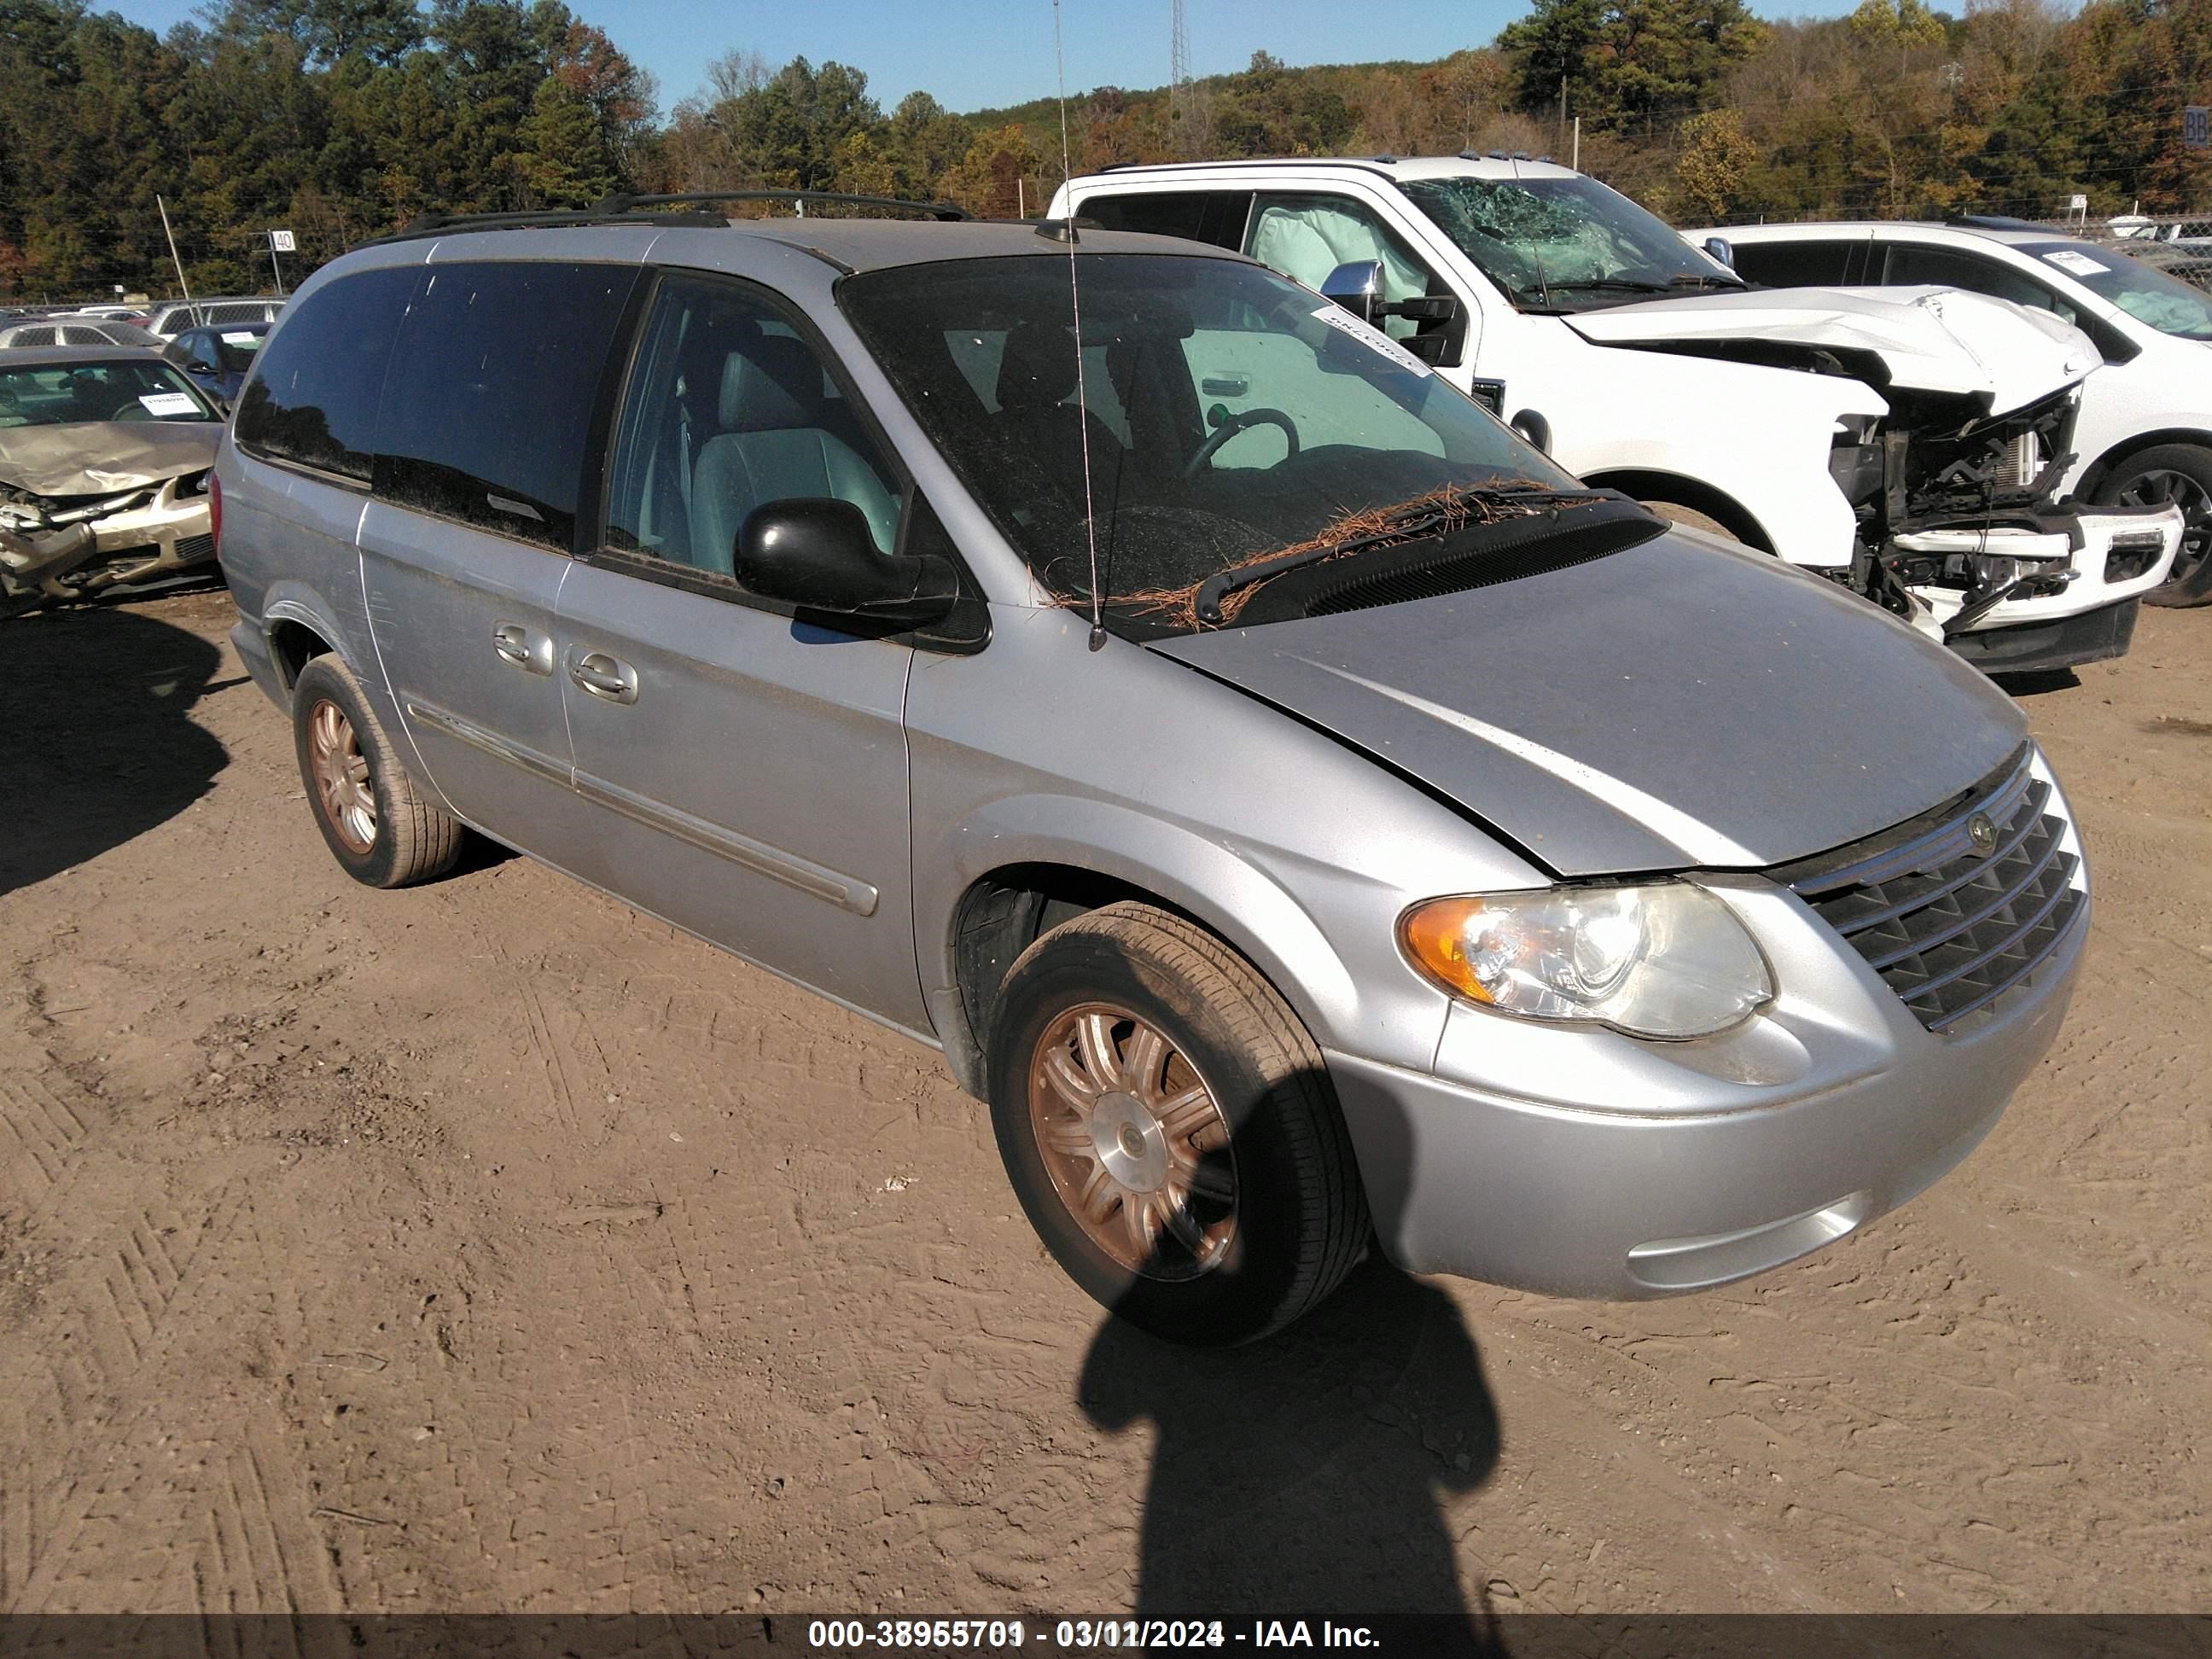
(1307, 237)
(728, 409)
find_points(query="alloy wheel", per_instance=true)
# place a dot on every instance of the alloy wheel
(1135, 1141)
(342, 778)
(2162, 487)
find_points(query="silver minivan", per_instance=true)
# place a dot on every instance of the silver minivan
(1322, 825)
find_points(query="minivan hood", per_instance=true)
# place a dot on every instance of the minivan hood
(1677, 705)
(1927, 339)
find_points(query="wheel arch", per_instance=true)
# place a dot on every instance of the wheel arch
(2093, 477)
(293, 645)
(1649, 484)
(998, 911)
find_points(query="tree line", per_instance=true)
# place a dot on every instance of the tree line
(341, 119)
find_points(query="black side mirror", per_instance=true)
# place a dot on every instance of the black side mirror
(1533, 428)
(1719, 248)
(816, 554)
(1357, 287)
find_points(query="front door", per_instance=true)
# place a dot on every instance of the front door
(748, 769)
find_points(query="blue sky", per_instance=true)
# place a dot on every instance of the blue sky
(975, 54)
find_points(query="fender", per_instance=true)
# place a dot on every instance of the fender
(288, 599)
(1234, 897)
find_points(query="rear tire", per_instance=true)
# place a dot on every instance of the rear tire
(1171, 1129)
(374, 821)
(2182, 474)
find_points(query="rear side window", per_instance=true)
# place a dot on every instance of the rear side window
(488, 408)
(313, 399)
(1796, 264)
(1910, 265)
(1199, 216)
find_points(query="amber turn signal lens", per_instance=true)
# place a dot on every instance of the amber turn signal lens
(1435, 936)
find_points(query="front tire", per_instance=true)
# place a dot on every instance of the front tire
(1689, 517)
(1169, 1128)
(2181, 474)
(374, 821)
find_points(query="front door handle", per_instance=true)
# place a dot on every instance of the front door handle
(525, 647)
(603, 675)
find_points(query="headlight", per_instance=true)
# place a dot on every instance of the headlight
(1668, 960)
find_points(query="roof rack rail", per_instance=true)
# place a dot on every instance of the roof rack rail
(438, 224)
(619, 209)
(1994, 221)
(626, 205)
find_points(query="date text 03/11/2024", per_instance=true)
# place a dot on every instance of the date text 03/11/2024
(1081, 1635)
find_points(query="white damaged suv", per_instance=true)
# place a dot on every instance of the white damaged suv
(1906, 442)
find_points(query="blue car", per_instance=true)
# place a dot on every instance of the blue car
(216, 356)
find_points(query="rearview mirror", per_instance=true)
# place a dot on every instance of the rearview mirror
(1719, 248)
(1357, 287)
(816, 554)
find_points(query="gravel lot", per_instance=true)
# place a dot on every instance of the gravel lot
(490, 1246)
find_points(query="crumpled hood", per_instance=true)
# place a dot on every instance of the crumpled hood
(99, 458)
(1673, 705)
(1930, 339)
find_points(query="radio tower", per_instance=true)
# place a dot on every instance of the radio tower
(1184, 109)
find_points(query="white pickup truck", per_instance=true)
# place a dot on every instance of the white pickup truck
(1906, 442)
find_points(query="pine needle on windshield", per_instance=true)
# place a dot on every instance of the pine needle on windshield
(1436, 513)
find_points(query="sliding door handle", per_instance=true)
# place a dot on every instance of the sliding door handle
(603, 676)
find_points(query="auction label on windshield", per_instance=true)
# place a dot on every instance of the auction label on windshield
(1370, 337)
(160, 404)
(2080, 264)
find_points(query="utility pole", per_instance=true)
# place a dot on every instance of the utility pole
(174, 260)
(1182, 94)
(1576, 164)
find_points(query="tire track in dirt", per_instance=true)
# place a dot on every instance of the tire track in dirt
(39, 1132)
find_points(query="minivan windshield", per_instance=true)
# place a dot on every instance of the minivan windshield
(1229, 414)
(1564, 244)
(2144, 292)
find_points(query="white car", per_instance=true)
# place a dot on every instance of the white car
(2145, 429)
(1897, 442)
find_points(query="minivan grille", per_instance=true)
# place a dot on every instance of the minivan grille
(1955, 915)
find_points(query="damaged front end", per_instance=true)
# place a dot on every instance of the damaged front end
(71, 546)
(1959, 532)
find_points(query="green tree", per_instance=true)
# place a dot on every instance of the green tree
(1718, 154)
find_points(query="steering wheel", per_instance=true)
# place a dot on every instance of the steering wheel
(1234, 424)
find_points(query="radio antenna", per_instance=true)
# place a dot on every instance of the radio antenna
(1075, 306)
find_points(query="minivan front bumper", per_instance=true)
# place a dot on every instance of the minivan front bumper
(1586, 1164)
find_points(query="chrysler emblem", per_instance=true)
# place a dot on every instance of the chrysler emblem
(1982, 831)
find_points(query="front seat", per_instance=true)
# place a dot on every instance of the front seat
(777, 444)
(1036, 376)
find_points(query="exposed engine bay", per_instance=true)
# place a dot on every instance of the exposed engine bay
(1956, 517)
(91, 507)
(1951, 488)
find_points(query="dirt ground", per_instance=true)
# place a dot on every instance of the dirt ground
(489, 1246)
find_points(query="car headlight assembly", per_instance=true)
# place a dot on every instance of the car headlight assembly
(1667, 960)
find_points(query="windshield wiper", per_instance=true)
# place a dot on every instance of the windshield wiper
(1607, 284)
(1409, 521)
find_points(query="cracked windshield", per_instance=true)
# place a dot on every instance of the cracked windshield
(1564, 244)
(1232, 417)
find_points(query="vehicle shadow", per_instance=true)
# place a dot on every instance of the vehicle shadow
(2037, 683)
(1305, 1472)
(97, 745)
